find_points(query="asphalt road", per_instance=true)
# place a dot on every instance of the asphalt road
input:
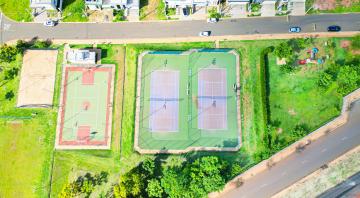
(170, 29)
(298, 165)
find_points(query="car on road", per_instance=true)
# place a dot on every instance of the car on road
(334, 28)
(50, 23)
(295, 29)
(212, 20)
(205, 33)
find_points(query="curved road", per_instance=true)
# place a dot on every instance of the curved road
(298, 165)
(171, 29)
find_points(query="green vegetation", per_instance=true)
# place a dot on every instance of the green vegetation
(26, 138)
(16, 10)
(74, 11)
(119, 16)
(152, 10)
(213, 13)
(355, 43)
(255, 7)
(354, 7)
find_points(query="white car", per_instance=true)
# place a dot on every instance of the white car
(212, 20)
(205, 33)
(50, 23)
(295, 29)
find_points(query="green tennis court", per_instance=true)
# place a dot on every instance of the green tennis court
(188, 101)
(85, 114)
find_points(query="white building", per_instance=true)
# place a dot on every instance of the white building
(190, 3)
(44, 4)
(297, 7)
(81, 57)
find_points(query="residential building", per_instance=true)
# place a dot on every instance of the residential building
(44, 4)
(268, 8)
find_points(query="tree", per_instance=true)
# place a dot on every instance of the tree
(347, 79)
(148, 165)
(11, 73)
(7, 53)
(154, 188)
(214, 14)
(283, 50)
(9, 95)
(68, 191)
(173, 184)
(120, 191)
(325, 80)
(205, 176)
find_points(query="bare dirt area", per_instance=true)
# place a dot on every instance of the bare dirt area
(332, 4)
(150, 10)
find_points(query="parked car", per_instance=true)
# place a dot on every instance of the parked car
(212, 20)
(302, 62)
(295, 29)
(50, 23)
(205, 33)
(334, 28)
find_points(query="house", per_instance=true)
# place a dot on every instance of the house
(185, 4)
(81, 56)
(44, 4)
(109, 4)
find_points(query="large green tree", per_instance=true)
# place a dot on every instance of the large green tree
(283, 50)
(154, 188)
(8, 53)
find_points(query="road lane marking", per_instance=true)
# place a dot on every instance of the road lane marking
(263, 185)
(344, 138)
(305, 161)
(283, 173)
(323, 150)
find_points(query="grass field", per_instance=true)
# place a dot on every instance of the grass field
(26, 140)
(16, 10)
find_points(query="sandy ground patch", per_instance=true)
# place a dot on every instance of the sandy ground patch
(37, 78)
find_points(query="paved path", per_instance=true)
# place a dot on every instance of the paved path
(175, 29)
(298, 165)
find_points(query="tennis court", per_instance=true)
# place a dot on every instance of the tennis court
(164, 101)
(84, 120)
(212, 99)
(186, 101)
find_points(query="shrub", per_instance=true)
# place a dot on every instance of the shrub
(355, 43)
(325, 80)
(119, 15)
(9, 95)
(347, 79)
(213, 13)
(8, 53)
(283, 50)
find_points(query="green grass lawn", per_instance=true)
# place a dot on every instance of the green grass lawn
(26, 142)
(296, 98)
(73, 11)
(355, 7)
(16, 10)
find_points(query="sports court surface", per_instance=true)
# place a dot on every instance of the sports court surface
(85, 113)
(37, 78)
(188, 101)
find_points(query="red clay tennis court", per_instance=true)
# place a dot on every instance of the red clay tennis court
(164, 101)
(86, 107)
(212, 99)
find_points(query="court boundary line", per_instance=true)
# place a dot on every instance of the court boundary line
(106, 143)
(190, 148)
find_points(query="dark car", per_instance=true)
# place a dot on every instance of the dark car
(334, 28)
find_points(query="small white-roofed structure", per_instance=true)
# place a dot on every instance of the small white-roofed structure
(37, 79)
(80, 56)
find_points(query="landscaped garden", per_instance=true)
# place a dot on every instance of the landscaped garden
(281, 101)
